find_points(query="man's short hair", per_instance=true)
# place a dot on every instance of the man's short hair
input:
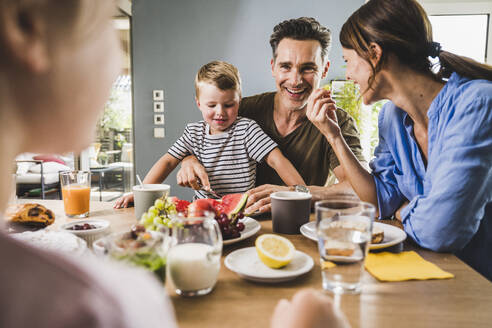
(223, 75)
(302, 28)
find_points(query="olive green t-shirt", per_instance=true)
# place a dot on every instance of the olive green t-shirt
(306, 148)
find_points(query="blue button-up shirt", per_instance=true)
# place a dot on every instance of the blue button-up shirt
(450, 207)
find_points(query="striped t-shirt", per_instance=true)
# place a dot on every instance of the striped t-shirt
(229, 158)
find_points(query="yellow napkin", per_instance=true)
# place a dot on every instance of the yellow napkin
(388, 266)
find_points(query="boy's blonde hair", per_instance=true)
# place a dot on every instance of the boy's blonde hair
(223, 75)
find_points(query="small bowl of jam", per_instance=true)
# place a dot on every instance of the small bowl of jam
(89, 230)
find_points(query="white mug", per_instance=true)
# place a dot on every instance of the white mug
(146, 196)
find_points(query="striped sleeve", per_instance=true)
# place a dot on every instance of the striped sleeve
(258, 143)
(183, 146)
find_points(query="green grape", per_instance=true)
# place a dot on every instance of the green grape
(148, 222)
(158, 220)
(144, 217)
(151, 215)
(159, 204)
(153, 210)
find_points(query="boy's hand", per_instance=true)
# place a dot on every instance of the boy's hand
(259, 198)
(192, 173)
(124, 201)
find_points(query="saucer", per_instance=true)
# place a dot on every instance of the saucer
(246, 263)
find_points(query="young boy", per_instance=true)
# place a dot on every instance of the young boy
(228, 146)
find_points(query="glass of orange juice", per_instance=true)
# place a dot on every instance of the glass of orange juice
(76, 193)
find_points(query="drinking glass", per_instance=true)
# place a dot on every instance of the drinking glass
(76, 193)
(194, 258)
(343, 228)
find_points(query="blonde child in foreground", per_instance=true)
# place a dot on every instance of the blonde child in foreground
(228, 146)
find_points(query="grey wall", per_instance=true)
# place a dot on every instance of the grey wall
(172, 39)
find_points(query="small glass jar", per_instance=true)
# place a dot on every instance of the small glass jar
(194, 256)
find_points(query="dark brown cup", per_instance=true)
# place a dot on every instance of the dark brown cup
(290, 210)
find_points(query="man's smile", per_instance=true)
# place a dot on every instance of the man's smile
(296, 93)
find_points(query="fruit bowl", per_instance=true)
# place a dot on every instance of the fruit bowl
(227, 210)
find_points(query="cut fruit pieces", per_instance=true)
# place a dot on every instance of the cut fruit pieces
(232, 204)
(275, 251)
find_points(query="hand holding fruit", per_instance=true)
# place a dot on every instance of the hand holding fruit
(321, 111)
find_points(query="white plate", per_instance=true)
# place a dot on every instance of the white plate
(251, 226)
(392, 235)
(57, 241)
(246, 263)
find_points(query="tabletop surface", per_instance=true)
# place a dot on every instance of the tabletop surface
(464, 301)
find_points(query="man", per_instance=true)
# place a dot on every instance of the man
(300, 61)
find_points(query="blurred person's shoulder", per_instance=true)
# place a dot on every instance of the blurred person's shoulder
(45, 289)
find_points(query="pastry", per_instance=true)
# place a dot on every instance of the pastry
(339, 248)
(31, 214)
(377, 233)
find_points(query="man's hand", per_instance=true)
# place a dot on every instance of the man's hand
(259, 198)
(192, 173)
(308, 309)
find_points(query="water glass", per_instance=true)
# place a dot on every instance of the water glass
(76, 193)
(194, 258)
(344, 229)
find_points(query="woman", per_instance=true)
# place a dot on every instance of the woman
(57, 63)
(433, 164)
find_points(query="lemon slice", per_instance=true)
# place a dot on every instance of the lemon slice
(275, 251)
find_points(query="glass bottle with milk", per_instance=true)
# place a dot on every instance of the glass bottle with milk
(193, 262)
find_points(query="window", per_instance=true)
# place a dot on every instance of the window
(464, 35)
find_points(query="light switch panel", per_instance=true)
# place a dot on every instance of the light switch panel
(159, 119)
(158, 95)
(159, 133)
(158, 106)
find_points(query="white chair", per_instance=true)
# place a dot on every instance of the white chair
(36, 174)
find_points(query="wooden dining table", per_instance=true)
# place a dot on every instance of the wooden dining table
(463, 301)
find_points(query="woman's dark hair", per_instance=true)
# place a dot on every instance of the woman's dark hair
(402, 28)
(302, 28)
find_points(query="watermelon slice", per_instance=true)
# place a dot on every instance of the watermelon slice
(181, 205)
(230, 204)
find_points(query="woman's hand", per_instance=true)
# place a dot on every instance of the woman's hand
(321, 111)
(308, 309)
(192, 174)
(124, 201)
(259, 198)
(398, 211)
